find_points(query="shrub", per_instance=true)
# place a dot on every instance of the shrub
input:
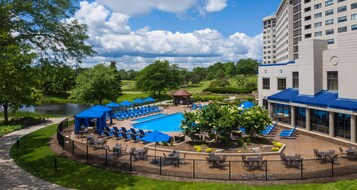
(229, 90)
(240, 142)
(208, 150)
(198, 148)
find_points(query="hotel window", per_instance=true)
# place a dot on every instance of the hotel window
(328, 22)
(307, 18)
(332, 80)
(266, 83)
(307, 35)
(318, 24)
(320, 121)
(354, 16)
(342, 9)
(318, 6)
(339, 1)
(342, 29)
(307, 27)
(265, 104)
(330, 41)
(300, 117)
(342, 19)
(354, 6)
(328, 3)
(342, 125)
(295, 79)
(307, 9)
(329, 12)
(281, 84)
(281, 113)
(318, 15)
(329, 31)
(318, 34)
(354, 27)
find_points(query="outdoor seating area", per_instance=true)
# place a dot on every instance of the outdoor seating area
(325, 156)
(215, 161)
(253, 163)
(135, 112)
(293, 161)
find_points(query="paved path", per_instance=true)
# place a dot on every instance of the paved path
(12, 176)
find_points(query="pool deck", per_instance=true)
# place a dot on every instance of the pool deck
(303, 144)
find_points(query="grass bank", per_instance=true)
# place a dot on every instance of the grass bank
(36, 158)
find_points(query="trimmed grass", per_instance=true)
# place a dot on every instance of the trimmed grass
(36, 158)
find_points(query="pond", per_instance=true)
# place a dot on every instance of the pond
(57, 109)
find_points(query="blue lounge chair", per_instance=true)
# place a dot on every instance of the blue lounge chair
(287, 132)
(242, 129)
(126, 136)
(133, 131)
(193, 107)
(109, 129)
(109, 134)
(123, 130)
(142, 133)
(118, 135)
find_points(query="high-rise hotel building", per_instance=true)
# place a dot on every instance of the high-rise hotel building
(297, 20)
(312, 85)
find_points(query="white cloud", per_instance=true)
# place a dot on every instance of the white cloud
(215, 5)
(142, 7)
(113, 39)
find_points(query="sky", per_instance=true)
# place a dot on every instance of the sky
(189, 33)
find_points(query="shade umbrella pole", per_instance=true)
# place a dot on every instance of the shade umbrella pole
(155, 152)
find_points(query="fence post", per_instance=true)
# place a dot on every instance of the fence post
(87, 153)
(229, 170)
(332, 168)
(194, 168)
(18, 142)
(131, 162)
(73, 148)
(160, 166)
(106, 157)
(266, 170)
(301, 169)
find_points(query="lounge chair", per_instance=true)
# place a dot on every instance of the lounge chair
(135, 137)
(109, 134)
(109, 129)
(126, 136)
(133, 131)
(118, 135)
(142, 133)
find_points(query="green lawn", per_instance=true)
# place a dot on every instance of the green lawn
(36, 157)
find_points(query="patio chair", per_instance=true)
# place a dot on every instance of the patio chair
(286, 134)
(209, 162)
(284, 160)
(123, 130)
(118, 135)
(142, 133)
(109, 129)
(341, 151)
(135, 137)
(109, 134)
(126, 136)
(317, 154)
(333, 158)
(116, 129)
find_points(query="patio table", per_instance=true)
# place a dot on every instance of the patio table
(215, 160)
(255, 163)
(117, 150)
(351, 154)
(174, 157)
(293, 161)
(325, 156)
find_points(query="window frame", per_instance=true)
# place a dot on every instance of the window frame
(332, 80)
(281, 86)
(266, 86)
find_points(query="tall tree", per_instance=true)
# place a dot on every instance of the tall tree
(159, 77)
(220, 74)
(46, 27)
(56, 79)
(247, 67)
(97, 84)
(17, 81)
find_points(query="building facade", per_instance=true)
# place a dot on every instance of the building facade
(316, 92)
(297, 20)
(269, 39)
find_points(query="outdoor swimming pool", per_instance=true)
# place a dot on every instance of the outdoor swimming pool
(169, 123)
(149, 117)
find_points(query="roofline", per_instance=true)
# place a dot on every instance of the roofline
(277, 64)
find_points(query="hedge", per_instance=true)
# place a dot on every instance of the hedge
(229, 90)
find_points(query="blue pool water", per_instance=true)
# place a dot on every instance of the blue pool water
(169, 123)
(149, 117)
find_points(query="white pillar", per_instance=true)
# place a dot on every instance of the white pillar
(308, 124)
(331, 124)
(353, 128)
(292, 112)
(270, 109)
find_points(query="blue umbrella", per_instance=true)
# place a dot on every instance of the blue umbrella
(246, 105)
(156, 136)
(126, 103)
(138, 101)
(112, 105)
(149, 99)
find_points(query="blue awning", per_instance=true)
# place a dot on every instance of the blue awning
(325, 99)
(321, 99)
(285, 95)
(344, 104)
(100, 108)
(90, 114)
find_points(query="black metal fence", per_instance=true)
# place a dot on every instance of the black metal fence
(201, 169)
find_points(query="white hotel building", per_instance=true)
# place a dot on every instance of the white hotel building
(315, 86)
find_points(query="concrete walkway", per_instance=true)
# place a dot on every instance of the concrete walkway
(12, 176)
